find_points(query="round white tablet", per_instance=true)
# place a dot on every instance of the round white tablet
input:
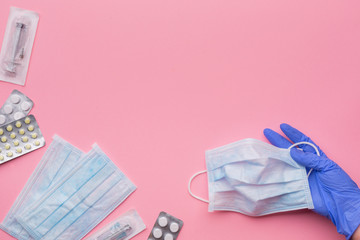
(2, 119)
(157, 233)
(8, 109)
(174, 227)
(15, 98)
(163, 221)
(25, 106)
(168, 236)
(18, 115)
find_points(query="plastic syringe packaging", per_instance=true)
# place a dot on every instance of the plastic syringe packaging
(123, 228)
(17, 45)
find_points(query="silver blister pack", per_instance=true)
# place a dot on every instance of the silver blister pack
(166, 227)
(20, 137)
(16, 106)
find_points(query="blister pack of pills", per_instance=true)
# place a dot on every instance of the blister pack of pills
(20, 137)
(17, 45)
(123, 228)
(15, 107)
(166, 227)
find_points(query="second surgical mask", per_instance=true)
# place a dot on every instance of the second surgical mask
(59, 159)
(79, 201)
(17, 45)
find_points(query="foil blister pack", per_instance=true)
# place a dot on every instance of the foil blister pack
(20, 137)
(166, 227)
(16, 106)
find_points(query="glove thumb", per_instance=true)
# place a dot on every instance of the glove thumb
(311, 160)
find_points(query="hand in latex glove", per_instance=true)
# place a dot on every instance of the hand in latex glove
(334, 194)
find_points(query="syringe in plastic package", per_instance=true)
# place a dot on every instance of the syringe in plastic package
(116, 232)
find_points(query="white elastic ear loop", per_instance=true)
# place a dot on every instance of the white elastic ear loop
(189, 186)
(310, 144)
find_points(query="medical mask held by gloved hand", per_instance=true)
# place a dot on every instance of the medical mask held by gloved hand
(255, 178)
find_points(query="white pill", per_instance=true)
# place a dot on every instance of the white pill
(174, 227)
(157, 233)
(2, 119)
(163, 221)
(15, 98)
(25, 106)
(168, 236)
(8, 109)
(18, 115)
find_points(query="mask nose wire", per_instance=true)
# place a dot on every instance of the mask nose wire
(310, 144)
(189, 186)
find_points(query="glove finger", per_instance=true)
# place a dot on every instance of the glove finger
(276, 139)
(311, 160)
(296, 136)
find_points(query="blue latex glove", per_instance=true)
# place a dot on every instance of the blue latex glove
(334, 194)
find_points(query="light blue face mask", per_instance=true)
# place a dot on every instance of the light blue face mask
(58, 160)
(255, 178)
(81, 200)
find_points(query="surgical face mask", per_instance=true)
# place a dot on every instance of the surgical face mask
(59, 159)
(255, 178)
(79, 201)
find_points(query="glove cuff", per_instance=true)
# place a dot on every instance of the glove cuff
(347, 215)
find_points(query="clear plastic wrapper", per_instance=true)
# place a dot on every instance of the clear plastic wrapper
(17, 45)
(123, 228)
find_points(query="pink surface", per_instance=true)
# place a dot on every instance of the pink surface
(156, 83)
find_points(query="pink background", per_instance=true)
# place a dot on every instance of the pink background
(156, 83)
